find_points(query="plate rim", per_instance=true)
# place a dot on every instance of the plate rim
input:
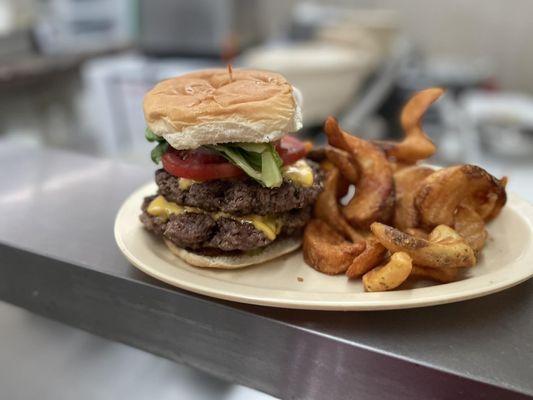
(520, 205)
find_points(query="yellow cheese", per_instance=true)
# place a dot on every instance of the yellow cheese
(162, 208)
(300, 173)
(269, 226)
(185, 183)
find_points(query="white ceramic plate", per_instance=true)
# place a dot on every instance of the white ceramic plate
(288, 282)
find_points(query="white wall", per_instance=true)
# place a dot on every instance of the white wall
(498, 30)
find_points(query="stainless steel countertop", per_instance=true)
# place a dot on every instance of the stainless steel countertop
(46, 360)
(61, 206)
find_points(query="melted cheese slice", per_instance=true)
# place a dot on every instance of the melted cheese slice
(163, 209)
(185, 184)
(300, 173)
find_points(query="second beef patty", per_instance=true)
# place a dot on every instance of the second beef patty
(200, 231)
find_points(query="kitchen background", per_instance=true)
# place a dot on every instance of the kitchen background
(73, 74)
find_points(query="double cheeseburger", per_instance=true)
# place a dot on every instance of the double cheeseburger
(235, 189)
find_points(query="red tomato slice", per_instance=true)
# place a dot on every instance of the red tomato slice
(184, 166)
(203, 165)
(290, 149)
(201, 155)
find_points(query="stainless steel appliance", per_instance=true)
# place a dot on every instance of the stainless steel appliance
(198, 27)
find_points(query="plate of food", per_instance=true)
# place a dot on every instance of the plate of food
(243, 211)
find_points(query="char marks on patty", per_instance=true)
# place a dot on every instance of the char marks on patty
(200, 231)
(240, 197)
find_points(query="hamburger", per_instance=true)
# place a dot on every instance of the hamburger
(234, 188)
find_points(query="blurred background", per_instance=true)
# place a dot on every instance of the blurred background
(73, 74)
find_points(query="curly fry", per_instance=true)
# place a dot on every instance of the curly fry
(443, 191)
(371, 256)
(326, 250)
(390, 275)
(406, 183)
(374, 199)
(445, 248)
(441, 275)
(327, 208)
(342, 160)
(471, 227)
(417, 232)
(416, 145)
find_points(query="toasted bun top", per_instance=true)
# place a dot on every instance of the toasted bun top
(210, 106)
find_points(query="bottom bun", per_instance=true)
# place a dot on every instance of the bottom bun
(273, 250)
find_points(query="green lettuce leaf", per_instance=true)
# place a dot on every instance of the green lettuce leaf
(151, 136)
(158, 150)
(270, 170)
(239, 158)
(260, 161)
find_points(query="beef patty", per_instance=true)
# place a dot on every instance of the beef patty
(240, 197)
(200, 231)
